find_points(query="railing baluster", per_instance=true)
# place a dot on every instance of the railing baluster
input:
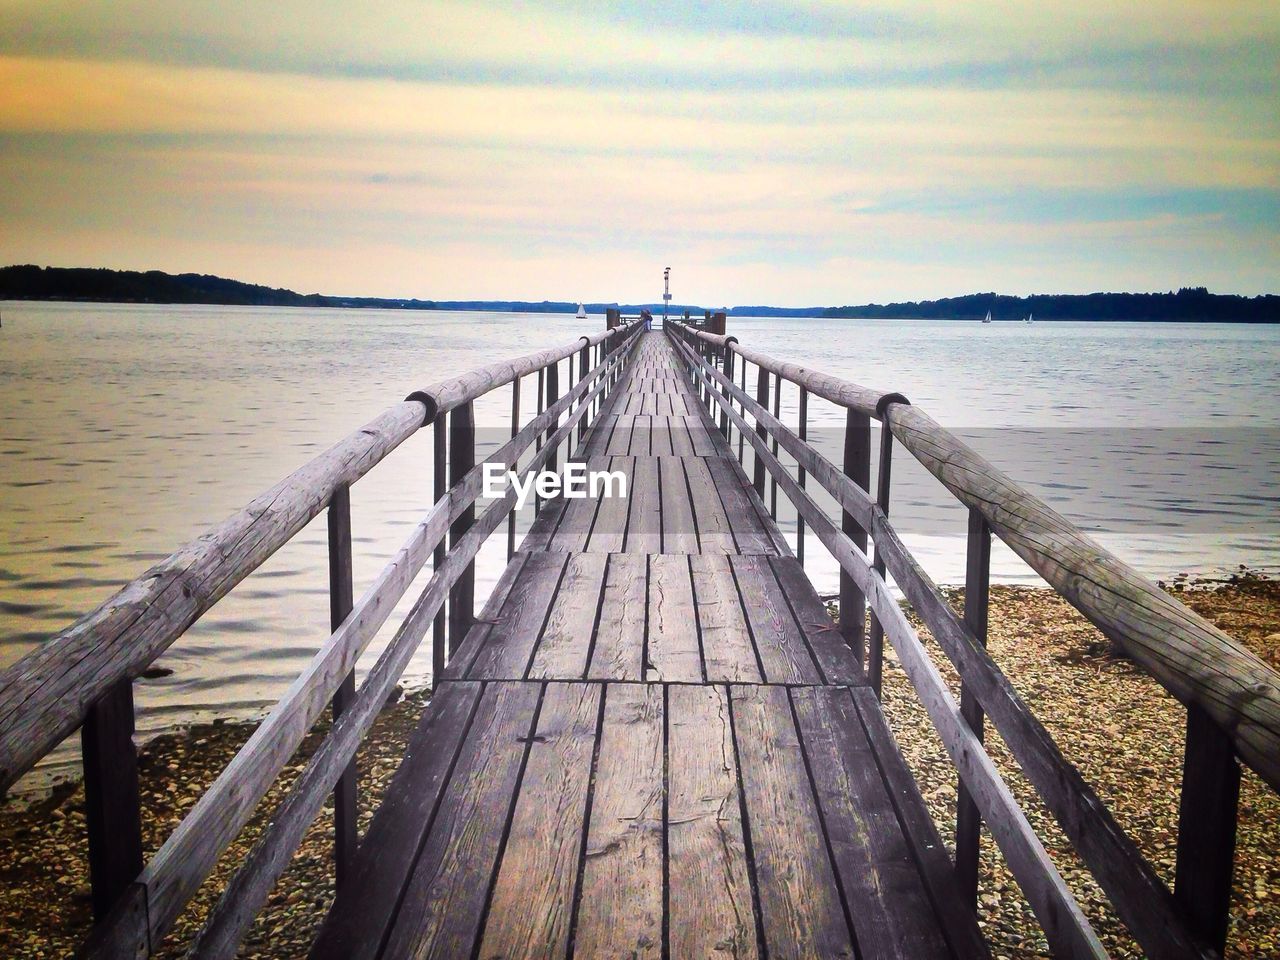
(727, 368)
(583, 360)
(440, 483)
(462, 457)
(762, 398)
(977, 595)
(773, 447)
(553, 394)
(341, 600)
(875, 644)
(111, 801)
(537, 444)
(742, 440)
(1207, 829)
(857, 467)
(803, 417)
(515, 428)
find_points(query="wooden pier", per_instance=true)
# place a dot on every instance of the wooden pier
(653, 740)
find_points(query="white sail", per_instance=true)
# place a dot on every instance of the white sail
(582, 312)
(987, 318)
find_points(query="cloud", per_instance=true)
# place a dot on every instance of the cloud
(981, 145)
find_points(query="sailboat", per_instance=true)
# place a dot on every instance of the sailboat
(1028, 318)
(582, 312)
(987, 318)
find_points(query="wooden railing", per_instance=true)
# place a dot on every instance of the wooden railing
(83, 676)
(1232, 697)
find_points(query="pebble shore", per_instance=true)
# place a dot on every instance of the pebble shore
(1118, 726)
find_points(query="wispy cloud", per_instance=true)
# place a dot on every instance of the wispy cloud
(774, 151)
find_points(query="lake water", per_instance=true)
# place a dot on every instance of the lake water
(126, 430)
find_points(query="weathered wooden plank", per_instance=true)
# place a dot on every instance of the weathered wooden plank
(800, 903)
(727, 650)
(710, 907)
(577, 517)
(361, 915)
(780, 644)
(715, 532)
(837, 662)
(958, 922)
(476, 636)
(609, 533)
(892, 913)
(620, 905)
(531, 904)
(564, 650)
(442, 905)
(673, 652)
(508, 646)
(619, 642)
(751, 532)
(644, 528)
(679, 534)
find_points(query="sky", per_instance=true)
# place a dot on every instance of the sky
(793, 153)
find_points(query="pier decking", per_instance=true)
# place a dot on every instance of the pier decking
(653, 743)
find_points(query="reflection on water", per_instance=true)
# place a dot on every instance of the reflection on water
(126, 430)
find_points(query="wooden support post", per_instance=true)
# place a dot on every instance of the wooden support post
(857, 467)
(111, 802)
(462, 457)
(515, 428)
(584, 359)
(977, 594)
(742, 408)
(439, 489)
(727, 364)
(537, 441)
(875, 644)
(1207, 829)
(341, 600)
(773, 448)
(803, 418)
(762, 398)
(553, 394)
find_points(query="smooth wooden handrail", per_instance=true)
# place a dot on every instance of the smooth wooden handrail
(1190, 657)
(46, 695)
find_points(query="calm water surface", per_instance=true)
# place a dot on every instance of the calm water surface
(126, 430)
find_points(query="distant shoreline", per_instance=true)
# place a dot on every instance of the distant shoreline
(97, 285)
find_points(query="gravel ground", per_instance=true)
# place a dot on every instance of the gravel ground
(1127, 743)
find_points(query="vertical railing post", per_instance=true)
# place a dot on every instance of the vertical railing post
(762, 398)
(803, 418)
(727, 369)
(112, 810)
(584, 359)
(857, 467)
(742, 408)
(1207, 829)
(341, 600)
(462, 457)
(977, 595)
(875, 643)
(773, 481)
(515, 428)
(440, 488)
(553, 395)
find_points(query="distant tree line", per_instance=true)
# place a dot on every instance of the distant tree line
(29, 282)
